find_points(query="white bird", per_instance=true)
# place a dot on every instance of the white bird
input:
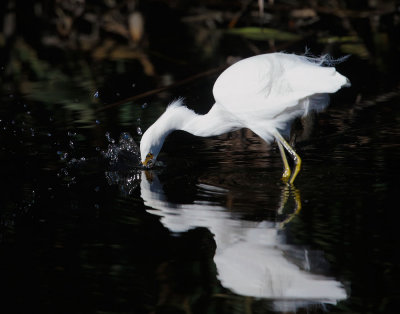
(264, 93)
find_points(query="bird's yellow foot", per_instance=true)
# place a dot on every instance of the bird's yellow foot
(286, 175)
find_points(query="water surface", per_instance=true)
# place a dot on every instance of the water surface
(83, 229)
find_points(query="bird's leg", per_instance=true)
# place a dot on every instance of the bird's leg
(287, 171)
(291, 151)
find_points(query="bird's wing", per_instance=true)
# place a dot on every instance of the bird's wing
(266, 85)
(245, 82)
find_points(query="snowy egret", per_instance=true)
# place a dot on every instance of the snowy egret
(264, 93)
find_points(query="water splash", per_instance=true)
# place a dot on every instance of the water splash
(124, 153)
(125, 165)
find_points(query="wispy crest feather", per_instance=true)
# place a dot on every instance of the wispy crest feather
(325, 59)
(176, 103)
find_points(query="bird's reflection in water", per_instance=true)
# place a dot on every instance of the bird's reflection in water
(252, 258)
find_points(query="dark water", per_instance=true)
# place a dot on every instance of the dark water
(213, 230)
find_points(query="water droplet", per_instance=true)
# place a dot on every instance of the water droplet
(139, 130)
(71, 144)
(144, 106)
(63, 156)
(28, 112)
(70, 134)
(98, 148)
(97, 121)
(109, 138)
(96, 94)
(73, 161)
(83, 159)
(125, 136)
(48, 134)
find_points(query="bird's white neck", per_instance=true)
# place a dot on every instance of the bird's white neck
(196, 124)
(177, 117)
(211, 124)
(181, 118)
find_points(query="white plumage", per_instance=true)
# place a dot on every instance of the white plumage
(264, 93)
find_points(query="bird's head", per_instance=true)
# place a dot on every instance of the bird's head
(150, 146)
(154, 137)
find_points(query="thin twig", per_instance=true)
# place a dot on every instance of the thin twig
(160, 89)
(187, 80)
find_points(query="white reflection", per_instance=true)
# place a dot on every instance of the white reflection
(251, 257)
